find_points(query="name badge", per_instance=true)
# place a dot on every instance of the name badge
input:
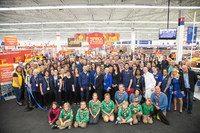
(137, 85)
(36, 85)
(48, 88)
(58, 83)
(87, 74)
(104, 83)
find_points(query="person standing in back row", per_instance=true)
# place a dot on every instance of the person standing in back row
(85, 84)
(190, 79)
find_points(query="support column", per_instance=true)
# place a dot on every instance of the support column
(58, 42)
(180, 34)
(133, 41)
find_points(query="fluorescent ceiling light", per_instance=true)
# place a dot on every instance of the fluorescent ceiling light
(94, 22)
(97, 6)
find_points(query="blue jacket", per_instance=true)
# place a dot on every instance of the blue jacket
(80, 68)
(164, 83)
(162, 101)
(107, 81)
(92, 75)
(52, 86)
(33, 83)
(84, 79)
(126, 77)
(132, 97)
(124, 97)
(158, 78)
(134, 83)
(44, 85)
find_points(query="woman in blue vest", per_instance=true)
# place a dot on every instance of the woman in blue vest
(164, 84)
(55, 85)
(46, 90)
(35, 87)
(138, 81)
(107, 81)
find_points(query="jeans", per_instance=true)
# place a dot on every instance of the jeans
(190, 95)
(18, 93)
(85, 94)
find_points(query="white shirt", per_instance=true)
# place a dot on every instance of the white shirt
(150, 82)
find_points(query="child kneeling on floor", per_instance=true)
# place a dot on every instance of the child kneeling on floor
(124, 114)
(94, 108)
(53, 114)
(147, 109)
(136, 110)
(107, 109)
(82, 116)
(66, 117)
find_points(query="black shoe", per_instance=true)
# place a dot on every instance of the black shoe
(190, 112)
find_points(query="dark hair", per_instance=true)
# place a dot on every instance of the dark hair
(118, 71)
(163, 70)
(126, 64)
(27, 65)
(139, 71)
(46, 71)
(54, 102)
(137, 89)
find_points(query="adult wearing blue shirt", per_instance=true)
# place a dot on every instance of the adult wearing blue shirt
(136, 94)
(107, 81)
(127, 79)
(34, 86)
(85, 84)
(120, 96)
(159, 100)
(164, 85)
(157, 76)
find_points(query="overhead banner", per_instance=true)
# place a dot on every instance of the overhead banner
(190, 34)
(10, 40)
(95, 39)
(108, 37)
(72, 43)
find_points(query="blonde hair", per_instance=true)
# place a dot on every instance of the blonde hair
(107, 94)
(150, 100)
(125, 102)
(67, 104)
(94, 94)
(28, 71)
(83, 102)
(177, 75)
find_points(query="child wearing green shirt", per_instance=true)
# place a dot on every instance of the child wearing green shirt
(65, 118)
(107, 108)
(124, 114)
(147, 109)
(136, 110)
(94, 108)
(82, 116)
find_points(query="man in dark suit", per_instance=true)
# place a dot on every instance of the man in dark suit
(190, 79)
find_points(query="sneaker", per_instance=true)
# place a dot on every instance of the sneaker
(69, 127)
(54, 126)
(131, 123)
(117, 122)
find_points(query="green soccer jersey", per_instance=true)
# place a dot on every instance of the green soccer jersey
(82, 115)
(107, 107)
(138, 109)
(66, 114)
(124, 113)
(146, 110)
(95, 106)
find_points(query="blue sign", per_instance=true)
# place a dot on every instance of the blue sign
(190, 34)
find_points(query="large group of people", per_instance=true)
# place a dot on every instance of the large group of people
(131, 88)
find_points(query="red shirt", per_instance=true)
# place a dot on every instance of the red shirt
(56, 112)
